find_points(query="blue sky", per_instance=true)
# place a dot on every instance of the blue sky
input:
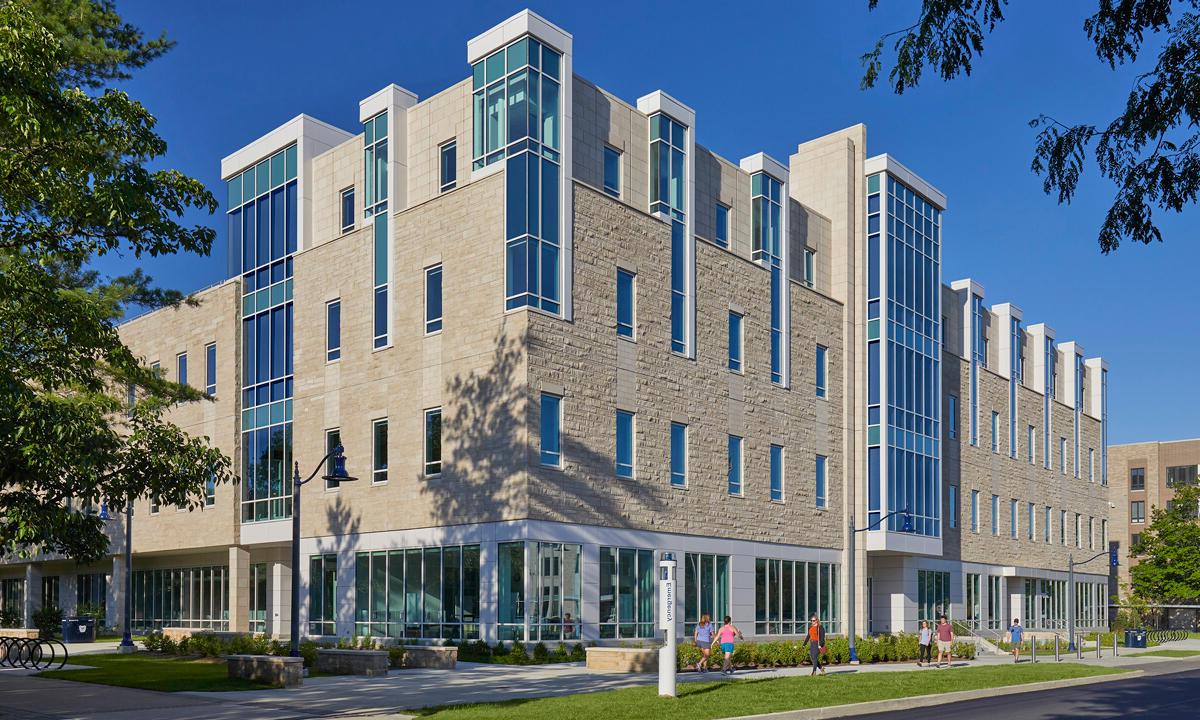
(762, 77)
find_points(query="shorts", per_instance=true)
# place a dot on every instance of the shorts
(704, 644)
(727, 647)
(944, 646)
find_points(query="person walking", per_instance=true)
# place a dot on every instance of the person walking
(925, 644)
(726, 635)
(945, 637)
(703, 636)
(1015, 635)
(815, 640)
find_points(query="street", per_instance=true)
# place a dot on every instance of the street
(1167, 690)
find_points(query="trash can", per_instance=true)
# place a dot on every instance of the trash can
(79, 630)
(1135, 638)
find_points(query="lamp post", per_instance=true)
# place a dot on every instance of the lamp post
(337, 473)
(908, 527)
(1071, 592)
(126, 645)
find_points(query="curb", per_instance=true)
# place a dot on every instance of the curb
(920, 701)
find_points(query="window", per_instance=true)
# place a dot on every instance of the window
(1137, 478)
(1062, 527)
(933, 595)
(735, 342)
(154, 505)
(433, 299)
(210, 491)
(974, 511)
(627, 593)
(953, 513)
(765, 198)
(1029, 443)
(1091, 533)
(448, 176)
(1134, 539)
(551, 429)
(181, 368)
(679, 454)
(669, 145)
(1062, 455)
(425, 592)
(1046, 523)
(995, 431)
(612, 171)
(1181, 475)
(347, 210)
(705, 588)
(379, 451)
(210, 368)
(996, 515)
(810, 268)
(333, 438)
(1078, 530)
(821, 352)
(625, 444)
(50, 589)
(777, 474)
(972, 607)
(322, 595)
(822, 494)
(333, 330)
(787, 593)
(433, 441)
(156, 368)
(1029, 521)
(952, 417)
(626, 317)
(1012, 520)
(735, 465)
(721, 236)
(1137, 511)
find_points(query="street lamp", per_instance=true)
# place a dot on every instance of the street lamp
(908, 527)
(337, 473)
(126, 645)
(1112, 555)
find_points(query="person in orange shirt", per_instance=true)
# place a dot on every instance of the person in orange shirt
(815, 640)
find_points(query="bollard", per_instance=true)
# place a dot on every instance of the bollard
(1033, 649)
(1057, 656)
(1078, 647)
(1099, 643)
(1116, 652)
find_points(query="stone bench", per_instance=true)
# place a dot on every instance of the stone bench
(372, 663)
(622, 660)
(430, 656)
(27, 633)
(269, 669)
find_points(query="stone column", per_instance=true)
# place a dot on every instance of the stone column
(280, 590)
(589, 610)
(114, 597)
(239, 589)
(33, 593)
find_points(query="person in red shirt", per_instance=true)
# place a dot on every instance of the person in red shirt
(815, 640)
(945, 636)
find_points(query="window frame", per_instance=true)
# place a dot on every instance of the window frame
(333, 354)
(556, 458)
(630, 467)
(975, 511)
(342, 197)
(433, 325)
(776, 473)
(379, 473)
(952, 499)
(181, 368)
(822, 371)
(683, 474)
(606, 153)
(333, 438)
(721, 229)
(1141, 475)
(445, 185)
(740, 442)
(821, 480)
(431, 467)
(736, 364)
(952, 416)
(628, 330)
(210, 368)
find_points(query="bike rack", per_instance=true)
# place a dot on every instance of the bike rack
(31, 653)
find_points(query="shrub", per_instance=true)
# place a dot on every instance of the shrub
(561, 654)
(517, 655)
(153, 641)
(395, 656)
(499, 649)
(168, 646)
(541, 654)
(578, 654)
(474, 651)
(48, 621)
(308, 651)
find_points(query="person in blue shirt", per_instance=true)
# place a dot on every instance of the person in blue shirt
(1015, 632)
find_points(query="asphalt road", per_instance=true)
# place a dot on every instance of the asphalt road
(1169, 690)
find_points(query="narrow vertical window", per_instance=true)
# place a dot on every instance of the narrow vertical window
(333, 330)
(974, 511)
(181, 368)
(821, 353)
(735, 342)
(995, 431)
(1029, 444)
(1029, 521)
(952, 417)
(210, 368)
(721, 234)
(679, 447)
(347, 210)
(551, 430)
(382, 274)
(1062, 527)
(995, 514)
(333, 438)
(433, 299)
(1078, 530)
(1012, 518)
(821, 485)
(777, 474)
(210, 491)
(1047, 523)
(379, 451)
(625, 303)
(953, 512)
(810, 268)
(735, 465)
(154, 505)
(612, 171)
(1062, 455)
(448, 176)
(433, 441)
(625, 447)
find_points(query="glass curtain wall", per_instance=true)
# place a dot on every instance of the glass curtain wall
(263, 222)
(92, 589)
(787, 593)
(626, 593)
(418, 593)
(668, 180)
(973, 605)
(259, 600)
(558, 583)
(12, 599)
(375, 205)
(196, 597)
(322, 595)
(766, 197)
(933, 595)
(705, 589)
(995, 608)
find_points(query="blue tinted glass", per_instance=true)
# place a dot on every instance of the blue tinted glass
(820, 371)
(678, 454)
(551, 423)
(612, 172)
(820, 469)
(735, 342)
(433, 299)
(624, 304)
(381, 300)
(210, 368)
(735, 465)
(248, 240)
(333, 330)
(348, 209)
(263, 211)
(624, 462)
(550, 62)
(290, 219)
(722, 231)
(776, 473)
(381, 249)
(181, 369)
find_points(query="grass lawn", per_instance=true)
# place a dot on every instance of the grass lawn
(707, 700)
(1168, 653)
(150, 672)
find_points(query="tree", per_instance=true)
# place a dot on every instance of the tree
(74, 186)
(1151, 151)
(1168, 568)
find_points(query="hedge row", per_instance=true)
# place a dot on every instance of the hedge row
(516, 653)
(793, 653)
(208, 644)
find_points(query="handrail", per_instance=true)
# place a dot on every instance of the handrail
(31, 653)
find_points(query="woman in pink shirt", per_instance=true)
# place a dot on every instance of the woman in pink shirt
(726, 636)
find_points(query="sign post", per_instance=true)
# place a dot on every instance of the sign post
(666, 621)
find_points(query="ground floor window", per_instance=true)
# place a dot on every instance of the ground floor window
(12, 602)
(1045, 604)
(418, 593)
(787, 593)
(557, 584)
(626, 593)
(185, 597)
(259, 600)
(995, 608)
(705, 589)
(933, 595)
(1090, 608)
(91, 594)
(322, 595)
(50, 585)
(510, 590)
(972, 604)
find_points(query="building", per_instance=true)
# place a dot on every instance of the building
(558, 337)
